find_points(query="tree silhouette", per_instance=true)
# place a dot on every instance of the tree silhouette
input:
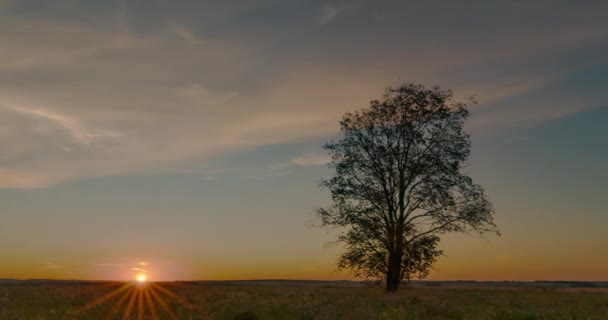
(398, 184)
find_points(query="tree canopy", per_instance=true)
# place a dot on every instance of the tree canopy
(398, 183)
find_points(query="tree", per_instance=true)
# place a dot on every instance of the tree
(398, 184)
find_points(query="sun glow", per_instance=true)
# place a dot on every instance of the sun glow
(141, 278)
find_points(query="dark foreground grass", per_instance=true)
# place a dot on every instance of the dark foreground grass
(73, 301)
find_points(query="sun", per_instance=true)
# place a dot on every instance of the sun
(141, 278)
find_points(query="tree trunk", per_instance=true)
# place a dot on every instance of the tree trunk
(393, 274)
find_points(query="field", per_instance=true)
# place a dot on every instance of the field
(24, 301)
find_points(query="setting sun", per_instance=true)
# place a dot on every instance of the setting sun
(141, 277)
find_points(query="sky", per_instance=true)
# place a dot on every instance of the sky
(183, 138)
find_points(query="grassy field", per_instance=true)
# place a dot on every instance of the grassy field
(223, 301)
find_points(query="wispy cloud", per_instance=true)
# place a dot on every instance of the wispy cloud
(110, 265)
(330, 12)
(197, 93)
(20, 179)
(305, 160)
(51, 265)
(308, 160)
(186, 34)
(104, 264)
(77, 130)
(80, 99)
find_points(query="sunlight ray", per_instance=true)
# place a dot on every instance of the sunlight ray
(104, 298)
(127, 313)
(169, 293)
(162, 303)
(140, 303)
(119, 303)
(150, 304)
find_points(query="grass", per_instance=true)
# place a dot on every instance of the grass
(247, 302)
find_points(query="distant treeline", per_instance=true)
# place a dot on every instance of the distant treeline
(575, 284)
(537, 283)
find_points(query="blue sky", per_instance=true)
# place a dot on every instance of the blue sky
(188, 134)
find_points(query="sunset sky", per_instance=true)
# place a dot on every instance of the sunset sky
(183, 138)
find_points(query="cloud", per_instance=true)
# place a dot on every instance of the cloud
(51, 265)
(198, 94)
(86, 98)
(104, 264)
(272, 174)
(490, 93)
(110, 265)
(311, 160)
(305, 160)
(76, 129)
(186, 34)
(47, 44)
(22, 180)
(139, 270)
(328, 13)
